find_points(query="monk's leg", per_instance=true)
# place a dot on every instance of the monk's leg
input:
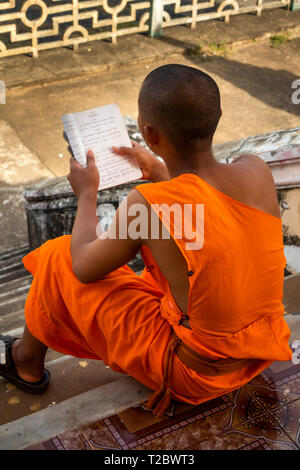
(28, 355)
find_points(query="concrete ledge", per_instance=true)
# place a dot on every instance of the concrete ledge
(291, 298)
(83, 409)
(294, 325)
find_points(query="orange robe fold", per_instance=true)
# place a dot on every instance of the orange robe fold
(235, 299)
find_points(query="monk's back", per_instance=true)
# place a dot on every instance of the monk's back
(239, 269)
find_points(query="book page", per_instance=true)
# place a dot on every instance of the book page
(99, 129)
(74, 138)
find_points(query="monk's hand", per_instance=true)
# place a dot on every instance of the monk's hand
(151, 167)
(84, 181)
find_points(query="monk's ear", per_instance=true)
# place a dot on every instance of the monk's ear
(150, 135)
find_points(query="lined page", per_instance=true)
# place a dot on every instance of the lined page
(99, 129)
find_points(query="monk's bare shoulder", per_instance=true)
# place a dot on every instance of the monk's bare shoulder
(252, 165)
(252, 160)
(257, 183)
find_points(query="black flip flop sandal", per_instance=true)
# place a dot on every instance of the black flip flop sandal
(9, 372)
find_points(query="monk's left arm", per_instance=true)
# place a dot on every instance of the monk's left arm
(84, 182)
(92, 257)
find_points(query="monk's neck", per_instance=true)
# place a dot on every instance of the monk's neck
(200, 163)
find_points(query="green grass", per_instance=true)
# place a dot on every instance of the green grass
(194, 51)
(219, 48)
(279, 39)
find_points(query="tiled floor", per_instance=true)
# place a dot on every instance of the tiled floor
(264, 414)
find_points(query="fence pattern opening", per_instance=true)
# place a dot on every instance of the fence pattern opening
(34, 25)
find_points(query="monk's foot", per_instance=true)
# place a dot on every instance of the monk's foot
(28, 368)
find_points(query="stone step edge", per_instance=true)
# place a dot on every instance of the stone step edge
(13, 252)
(14, 295)
(81, 410)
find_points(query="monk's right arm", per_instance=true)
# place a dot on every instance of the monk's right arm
(152, 168)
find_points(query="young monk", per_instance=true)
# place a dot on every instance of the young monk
(206, 314)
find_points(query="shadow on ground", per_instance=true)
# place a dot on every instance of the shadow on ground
(273, 87)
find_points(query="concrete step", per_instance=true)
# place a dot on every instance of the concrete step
(12, 272)
(294, 324)
(13, 304)
(11, 266)
(12, 321)
(13, 254)
(10, 294)
(14, 284)
(291, 297)
(81, 410)
(70, 377)
(81, 391)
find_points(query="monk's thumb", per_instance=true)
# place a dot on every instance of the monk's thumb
(90, 157)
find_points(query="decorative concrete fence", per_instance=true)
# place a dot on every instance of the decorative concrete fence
(34, 25)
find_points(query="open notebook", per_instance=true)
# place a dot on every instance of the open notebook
(99, 129)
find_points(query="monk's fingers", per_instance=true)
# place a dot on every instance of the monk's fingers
(74, 163)
(135, 144)
(123, 151)
(90, 157)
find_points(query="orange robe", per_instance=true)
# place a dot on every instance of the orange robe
(235, 298)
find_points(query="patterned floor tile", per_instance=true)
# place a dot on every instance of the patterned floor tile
(239, 441)
(70, 440)
(138, 429)
(283, 378)
(38, 446)
(73, 440)
(281, 373)
(187, 437)
(260, 379)
(265, 427)
(287, 415)
(251, 415)
(244, 407)
(99, 436)
(264, 414)
(270, 398)
(292, 386)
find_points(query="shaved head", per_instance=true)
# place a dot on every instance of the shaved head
(182, 102)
